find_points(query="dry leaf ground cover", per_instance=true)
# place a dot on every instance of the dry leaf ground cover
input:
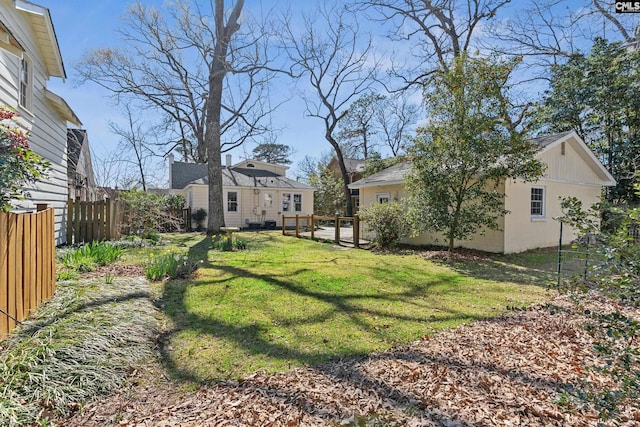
(507, 371)
(293, 332)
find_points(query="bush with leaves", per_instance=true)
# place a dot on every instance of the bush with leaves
(387, 221)
(199, 216)
(18, 164)
(615, 334)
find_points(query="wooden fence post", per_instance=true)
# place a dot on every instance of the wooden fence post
(77, 220)
(297, 225)
(69, 221)
(313, 227)
(284, 228)
(337, 236)
(108, 219)
(4, 266)
(356, 231)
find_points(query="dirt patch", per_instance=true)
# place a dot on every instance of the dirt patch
(500, 372)
(437, 253)
(115, 270)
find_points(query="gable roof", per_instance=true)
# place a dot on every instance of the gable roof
(390, 176)
(588, 155)
(45, 36)
(77, 143)
(61, 107)
(352, 165)
(546, 140)
(184, 174)
(395, 175)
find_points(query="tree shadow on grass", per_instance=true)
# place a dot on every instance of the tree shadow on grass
(371, 321)
(537, 267)
(345, 367)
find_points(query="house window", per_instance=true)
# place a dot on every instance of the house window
(232, 201)
(537, 202)
(25, 83)
(267, 200)
(383, 198)
(286, 202)
(297, 202)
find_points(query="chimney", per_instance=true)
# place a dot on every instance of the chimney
(170, 157)
(228, 160)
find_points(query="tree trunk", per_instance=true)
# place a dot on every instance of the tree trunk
(345, 179)
(213, 136)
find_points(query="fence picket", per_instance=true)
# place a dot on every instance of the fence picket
(4, 269)
(27, 265)
(19, 280)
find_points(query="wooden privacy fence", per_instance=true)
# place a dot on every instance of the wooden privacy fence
(27, 265)
(339, 229)
(91, 221)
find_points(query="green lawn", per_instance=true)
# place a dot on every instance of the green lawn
(288, 302)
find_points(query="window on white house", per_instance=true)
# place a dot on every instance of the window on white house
(25, 83)
(297, 202)
(383, 198)
(267, 200)
(537, 202)
(232, 201)
(286, 202)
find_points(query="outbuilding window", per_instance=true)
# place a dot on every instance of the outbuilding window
(232, 201)
(537, 202)
(383, 197)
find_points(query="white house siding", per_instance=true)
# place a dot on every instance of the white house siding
(250, 204)
(47, 131)
(574, 166)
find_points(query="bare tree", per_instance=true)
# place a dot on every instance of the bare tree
(134, 139)
(196, 66)
(548, 32)
(395, 119)
(338, 66)
(358, 126)
(439, 30)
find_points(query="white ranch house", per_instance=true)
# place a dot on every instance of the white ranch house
(572, 170)
(256, 194)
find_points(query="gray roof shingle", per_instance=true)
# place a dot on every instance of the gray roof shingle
(184, 174)
(397, 173)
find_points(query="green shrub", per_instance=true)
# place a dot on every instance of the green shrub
(387, 221)
(152, 235)
(615, 335)
(199, 217)
(222, 243)
(87, 257)
(67, 274)
(172, 264)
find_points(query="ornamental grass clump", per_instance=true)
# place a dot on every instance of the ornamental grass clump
(171, 263)
(87, 257)
(81, 344)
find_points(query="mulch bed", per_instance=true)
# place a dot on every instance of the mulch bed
(500, 372)
(115, 270)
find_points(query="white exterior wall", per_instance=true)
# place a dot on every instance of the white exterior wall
(250, 204)
(524, 232)
(47, 130)
(566, 176)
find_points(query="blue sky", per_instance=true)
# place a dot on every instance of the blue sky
(81, 26)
